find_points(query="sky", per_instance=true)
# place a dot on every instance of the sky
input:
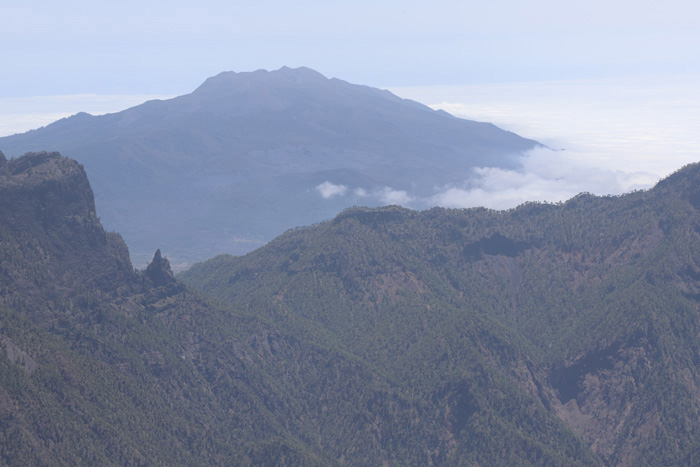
(158, 47)
(613, 82)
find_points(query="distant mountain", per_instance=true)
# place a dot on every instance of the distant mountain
(506, 323)
(248, 155)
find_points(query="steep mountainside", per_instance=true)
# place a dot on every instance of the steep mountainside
(586, 312)
(104, 365)
(238, 161)
(100, 364)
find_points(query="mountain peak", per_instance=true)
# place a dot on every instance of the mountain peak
(688, 174)
(301, 72)
(285, 76)
(47, 197)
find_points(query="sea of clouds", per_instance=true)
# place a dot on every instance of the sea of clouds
(606, 136)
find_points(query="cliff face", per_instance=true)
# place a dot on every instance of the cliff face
(53, 243)
(106, 365)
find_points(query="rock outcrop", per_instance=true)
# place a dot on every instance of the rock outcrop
(159, 272)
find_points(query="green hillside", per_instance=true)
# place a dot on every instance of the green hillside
(580, 317)
(545, 335)
(105, 365)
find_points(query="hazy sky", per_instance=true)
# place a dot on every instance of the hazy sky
(616, 82)
(158, 47)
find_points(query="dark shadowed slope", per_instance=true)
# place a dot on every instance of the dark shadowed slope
(592, 307)
(237, 162)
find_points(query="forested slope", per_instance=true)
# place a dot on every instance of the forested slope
(103, 364)
(545, 335)
(584, 313)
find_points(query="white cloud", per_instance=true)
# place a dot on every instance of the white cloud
(361, 192)
(546, 175)
(329, 190)
(646, 124)
(390, 196)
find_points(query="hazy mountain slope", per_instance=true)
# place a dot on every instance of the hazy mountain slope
(590, 307)
(237, 161)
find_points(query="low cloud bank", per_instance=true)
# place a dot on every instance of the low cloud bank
(384, 195)
(546, 175)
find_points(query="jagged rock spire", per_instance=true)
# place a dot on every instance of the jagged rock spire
(159, 271)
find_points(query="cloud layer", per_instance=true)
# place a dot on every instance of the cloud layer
(626, 124)
(546, 175)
